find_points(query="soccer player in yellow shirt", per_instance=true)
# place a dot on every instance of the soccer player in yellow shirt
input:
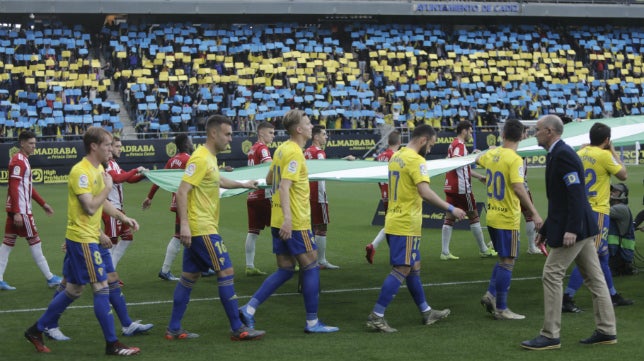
(506, 193)
(408, 187)
(600, 162)
(291, 225)
(198, 208)
(88, 186)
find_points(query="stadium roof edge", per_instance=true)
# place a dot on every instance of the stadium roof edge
(588, 9)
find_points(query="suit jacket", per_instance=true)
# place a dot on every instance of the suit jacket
(568, 207)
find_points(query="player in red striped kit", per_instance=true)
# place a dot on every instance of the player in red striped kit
(178, 161)
(113, 228)
(258, 203)
(20, 220)
(393, 143)
(458, 191)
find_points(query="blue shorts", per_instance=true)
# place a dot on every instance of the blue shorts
(505, 241)
(83, 263)
(601, 241)
(206, 252)
(107, 259)
(403, 250)
(299, 243)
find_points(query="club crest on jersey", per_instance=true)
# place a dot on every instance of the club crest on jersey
(83, 181)
(16, 170)
(521, 173)
(292, 166)
(423, 169)
(571, 178)
(190, 169)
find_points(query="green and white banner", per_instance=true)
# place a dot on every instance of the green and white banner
(625, 132)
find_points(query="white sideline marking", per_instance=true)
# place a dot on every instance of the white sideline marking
(210, 299)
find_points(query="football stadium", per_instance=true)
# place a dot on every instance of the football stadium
(367, 74)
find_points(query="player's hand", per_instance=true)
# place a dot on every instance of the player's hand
(63, 247)
(141, 169)
(17, 220)
(105, 241)
(459, 213)
(286, 231)
(251, 184)
(569, 239)
(48, 210)
(131, 222)
(146, 203)
(185, 235)
(538, 222)
(349, 157)
(229, 168)
(107, 179)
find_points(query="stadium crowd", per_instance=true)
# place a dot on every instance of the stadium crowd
(54, 79)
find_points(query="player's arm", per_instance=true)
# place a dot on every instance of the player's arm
(110, 210)
(285, 202)
(622, 173)
(182, 211)
(41, 201)
(230, 184)
(91, 203)
(524, 198)
(429, 196)
(477, 175)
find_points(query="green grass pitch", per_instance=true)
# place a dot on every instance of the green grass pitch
(347, 294)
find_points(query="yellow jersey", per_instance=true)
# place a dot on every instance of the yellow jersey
(504, 167)
(404, 216)
(289, 163)
(599, 165)
(203, 199)
(83, 178)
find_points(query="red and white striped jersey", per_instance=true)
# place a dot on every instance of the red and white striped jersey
(385, 156)
(20, 185)
(458, 180)
(318, 189)
(116, 194)
(258, 154)
(179, 161)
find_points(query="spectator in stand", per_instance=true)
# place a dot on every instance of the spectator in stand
(393, 144)
(258, 203)
(178, 161)
(20, 220)
(114, 229)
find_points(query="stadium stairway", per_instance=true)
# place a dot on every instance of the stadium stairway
(128, 132)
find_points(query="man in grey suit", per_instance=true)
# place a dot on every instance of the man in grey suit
(569, 230)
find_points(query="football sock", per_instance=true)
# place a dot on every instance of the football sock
(4, 259)
(531, 234)
(478, 235)
(574, 282)
(415, 287)
(608, 275)
(41, 261)
(379, 238)
(119, 250)
(446, 236)
(180, 303)
(492, 285)
(171, 252)
(389, 289)
(103, 313)
(270, 285)
(228, 298)
(320, 241)
(117, 299)
(311, 289)
(55, 309)
(503, 278)
(251, 240)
